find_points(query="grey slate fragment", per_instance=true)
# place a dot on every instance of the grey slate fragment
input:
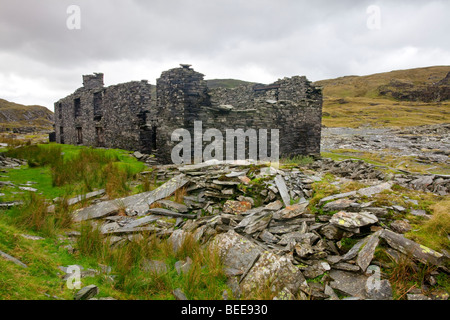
(407, 246)
(142, 221)
(87, 293)
(179, 295)
(236, 251)
(349, 283)
(344, 266)
(370, 191)
(337, 196)
(340, 204)
(12, 259)
(171, 205)
(168, 213)
(282, 189)
(132, 230)
(353, 220)
(266, 236)
(330, 292)
(353, 252)
(259, 223)
(183, 266)
(138, 203)
(379, 291)
(365, 255)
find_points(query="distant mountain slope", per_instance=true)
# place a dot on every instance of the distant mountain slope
(226, 83)
(392, 99)
(405, 85)
(20, 118)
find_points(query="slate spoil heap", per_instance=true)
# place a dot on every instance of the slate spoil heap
(261, 222)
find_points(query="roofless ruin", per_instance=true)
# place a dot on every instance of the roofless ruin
(132, 116)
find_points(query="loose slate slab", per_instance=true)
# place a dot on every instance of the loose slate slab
(126, 230)
(87, 293)
(138, 203)
(353, 220)
(282, 189)
(370, 191)
(406, 246)
(89, 195)
(259, 223)
(12, 259)
(177, 239)
(34, 238)
(130, 227)
(400, 226)
(380, 291)
(291, 212)
(77, 199)
(337, 196)
(168, 213)
(340, 204)
(365, 255)
(349, 283)
(236, 251)
(28, 189)
(276, 270)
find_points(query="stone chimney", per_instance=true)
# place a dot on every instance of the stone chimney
(93, 81)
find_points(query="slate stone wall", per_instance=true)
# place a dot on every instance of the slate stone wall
(291, 105)
(127, 116)
(115, 120)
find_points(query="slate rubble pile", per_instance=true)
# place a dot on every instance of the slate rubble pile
(260, 221)
(360, 170)
(6, 162)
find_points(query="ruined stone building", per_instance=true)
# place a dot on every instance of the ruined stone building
(130, 116)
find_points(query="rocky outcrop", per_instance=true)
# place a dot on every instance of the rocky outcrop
(24, 119)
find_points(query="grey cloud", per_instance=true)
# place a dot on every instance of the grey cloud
(321, 39)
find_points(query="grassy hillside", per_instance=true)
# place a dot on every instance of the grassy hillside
(14, 115)
(392, 99)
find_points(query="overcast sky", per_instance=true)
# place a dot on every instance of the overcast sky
(45, 46)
